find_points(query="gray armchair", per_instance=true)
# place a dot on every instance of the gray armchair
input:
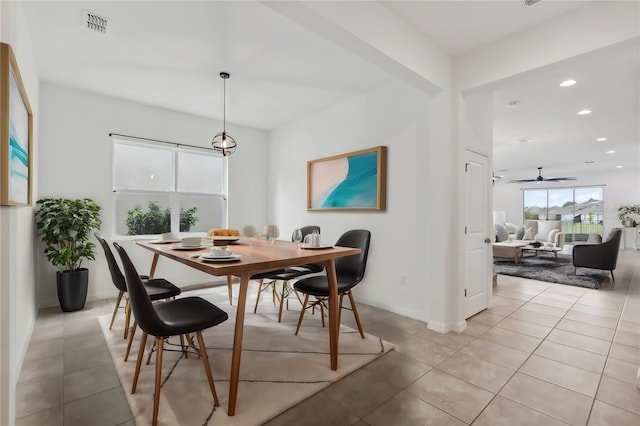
(599, 256)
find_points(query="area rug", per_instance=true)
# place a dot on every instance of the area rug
(545, 267)
(278, 369)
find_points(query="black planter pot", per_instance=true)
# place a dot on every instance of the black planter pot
(72, 289)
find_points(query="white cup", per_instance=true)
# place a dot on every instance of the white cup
(312, 240)
(168, 236)
(221, 251)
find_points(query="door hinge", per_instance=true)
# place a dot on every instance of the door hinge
(465, 292)
(465, 230)
(466, 167)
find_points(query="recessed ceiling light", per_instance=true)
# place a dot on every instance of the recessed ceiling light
(513, 104)
(611, 151)
(504, 170)
(584, 112)
(619, 167)
(524, 140)
(567, 83)
(589, 162)
(601, 139)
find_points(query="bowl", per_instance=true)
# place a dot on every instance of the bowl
(191, 241)
(221, 251)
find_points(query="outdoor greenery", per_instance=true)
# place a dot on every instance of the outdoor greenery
(626, 215)
(65, 226)
(157, 221)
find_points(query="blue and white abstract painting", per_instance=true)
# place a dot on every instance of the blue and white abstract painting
(18, 145)
(350, 182)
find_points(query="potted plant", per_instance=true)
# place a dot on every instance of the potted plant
(626, 215)
(66, 226)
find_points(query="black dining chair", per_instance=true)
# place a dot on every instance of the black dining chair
(268, 280)
(157, 288)
(349, 272)
(163, 320)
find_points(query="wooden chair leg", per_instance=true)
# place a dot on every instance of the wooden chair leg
(355, 313)
(156, 395)
(612, 277)
(284, 286)
(574, 270)
(133, 332)
(184, 350)
(304, 308)
(321, 312)
(255, 308)
(207, 368)
(143, 342)
(230, 289)
(115, 309)
(127, 318)
(340, 309)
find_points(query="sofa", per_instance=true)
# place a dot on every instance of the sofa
(547, 232)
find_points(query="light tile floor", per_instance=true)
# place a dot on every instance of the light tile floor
(544, 354)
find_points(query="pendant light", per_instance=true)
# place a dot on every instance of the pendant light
(224, 142)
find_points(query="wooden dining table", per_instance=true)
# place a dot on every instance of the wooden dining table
(257, 255)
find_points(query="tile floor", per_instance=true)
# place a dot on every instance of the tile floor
(544, 354)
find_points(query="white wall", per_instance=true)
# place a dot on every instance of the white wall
(76, 162)
(18, 306)
(394, 116)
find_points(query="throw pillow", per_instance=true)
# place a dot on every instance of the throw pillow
(520, 233)
(527, 234)
(552, 236)
(511, 228)
(501, 232)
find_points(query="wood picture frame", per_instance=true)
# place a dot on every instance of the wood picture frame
(352, 181)
(16, 134)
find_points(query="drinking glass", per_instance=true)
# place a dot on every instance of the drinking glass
(297, 236)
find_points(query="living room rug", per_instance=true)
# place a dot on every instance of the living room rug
(278, 369)
(545, 267)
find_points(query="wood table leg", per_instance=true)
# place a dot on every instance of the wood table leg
(237, 344)
(154, 263)
(334, 321)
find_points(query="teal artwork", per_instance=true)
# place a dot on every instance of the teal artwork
(352, 181)
(360, 187)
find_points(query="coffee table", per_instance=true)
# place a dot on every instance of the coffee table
(509, 249)
(537, 250)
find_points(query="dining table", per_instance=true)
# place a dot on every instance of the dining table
(253, 255)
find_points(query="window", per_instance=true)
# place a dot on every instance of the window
(161, 187)
(581, 210)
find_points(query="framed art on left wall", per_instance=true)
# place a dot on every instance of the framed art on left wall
(16, 134)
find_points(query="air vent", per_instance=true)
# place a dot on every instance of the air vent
(94, 22)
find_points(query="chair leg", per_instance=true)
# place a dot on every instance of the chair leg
(574, 270)
(612, 277)
(322, 312)
(230, 289)
(340, 309)
(133, 332)
(255, 309)
(207, 368)
(115, 309)
(143, 342)
(355, 313)
(284, 286)
(127, 318)
(156, 394)
(304, 308)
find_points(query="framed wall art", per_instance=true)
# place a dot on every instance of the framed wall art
(352, 181)
(16, 134)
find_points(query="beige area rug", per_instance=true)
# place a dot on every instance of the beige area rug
(278, 369)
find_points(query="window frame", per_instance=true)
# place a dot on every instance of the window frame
(174, 194)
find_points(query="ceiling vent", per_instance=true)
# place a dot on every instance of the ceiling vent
(94, 22)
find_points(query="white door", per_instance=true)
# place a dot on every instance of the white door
(477, 277)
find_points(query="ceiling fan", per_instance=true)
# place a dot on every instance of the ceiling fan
(542, 179)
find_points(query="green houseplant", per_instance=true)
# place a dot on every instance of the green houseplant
(65, 226)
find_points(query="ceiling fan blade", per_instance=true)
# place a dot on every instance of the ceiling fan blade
(556, 179)
(521, 180)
